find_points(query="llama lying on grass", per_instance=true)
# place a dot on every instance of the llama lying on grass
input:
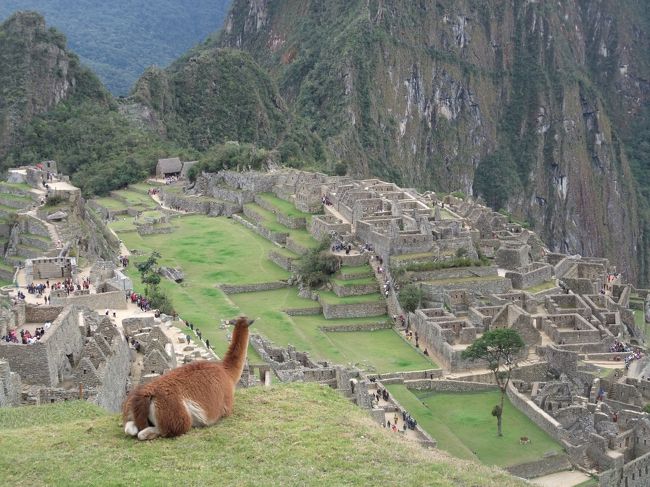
(197, 394)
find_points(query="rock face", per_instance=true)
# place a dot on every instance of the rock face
(424, 93)
(37, 73)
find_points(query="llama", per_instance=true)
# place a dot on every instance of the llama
(524, 440)
(196, 394)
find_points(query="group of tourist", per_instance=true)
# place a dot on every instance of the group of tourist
(326, 200)
(339, 246)
(140, 300)
(124, 260)
(26, 337)
(35, 289)
(153, 191)
(171, 179)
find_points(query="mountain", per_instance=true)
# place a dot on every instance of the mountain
(534, 106)
(51, 107)
(119, 39)
(37, 73)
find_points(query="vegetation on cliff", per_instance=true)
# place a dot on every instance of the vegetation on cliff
(120, 38)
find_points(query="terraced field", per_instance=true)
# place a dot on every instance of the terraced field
(214, 251)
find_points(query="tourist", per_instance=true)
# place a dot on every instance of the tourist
(187, 338)
(207, 344)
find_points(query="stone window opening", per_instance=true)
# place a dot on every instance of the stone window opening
(85, 371)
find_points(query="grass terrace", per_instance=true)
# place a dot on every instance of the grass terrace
(111, 203)
(123, 224)
(135, 198)
(327, 441)
(355, 282)
(354, 270)
(544, 286)
(331, 298)
(382, 350)
(463, 426)
(284, 207)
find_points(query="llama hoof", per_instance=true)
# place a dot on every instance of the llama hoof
(148, 433)
(130, 428)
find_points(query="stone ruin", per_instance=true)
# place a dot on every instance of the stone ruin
(81, 355)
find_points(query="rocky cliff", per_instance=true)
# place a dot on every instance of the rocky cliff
(36, 73)
(528, 104)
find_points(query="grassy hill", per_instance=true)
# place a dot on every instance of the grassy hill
(301, 434)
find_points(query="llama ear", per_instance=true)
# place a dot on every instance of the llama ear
(251, 322)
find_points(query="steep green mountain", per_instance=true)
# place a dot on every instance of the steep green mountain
(119, 39)
(53, 108)
(532, 105)
(36, 73)
(214, 95)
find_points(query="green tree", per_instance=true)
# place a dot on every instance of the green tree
(410, 297)
(496, 178)
(500, 348)
(316, 267)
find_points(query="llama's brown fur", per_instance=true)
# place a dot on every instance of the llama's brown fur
(197, 394)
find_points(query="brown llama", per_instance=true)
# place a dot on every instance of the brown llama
(196, 394)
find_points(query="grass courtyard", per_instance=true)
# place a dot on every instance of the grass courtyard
(218, 250)
(463, 426)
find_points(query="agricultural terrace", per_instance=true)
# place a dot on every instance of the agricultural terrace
(213, 251)
(463, 425)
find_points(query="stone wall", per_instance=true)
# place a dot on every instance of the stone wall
(548, 464)
(633, 474)
(331, 311)
(535, 274)
(249, 288)
(453, 273)
(442, 385)
(303, 311)
(10, 386)
(41, 314)
(498, 285)
(323, 226)
(46, 361)
(354, 290)
(535, 414)
(108, 300)
(380, 325)
(115, 374)
(276, 237)
(282, 260)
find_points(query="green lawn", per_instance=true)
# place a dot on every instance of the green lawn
(218, 250)
(330, 298)
(123, 224)
(135, 198)
(381, 350)
(209, 251)
(354, 270)
(289, 435)
(284, 207)
(463, 425)
(356, 282)
(110, 203)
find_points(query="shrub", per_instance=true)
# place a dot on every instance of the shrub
(410, 297)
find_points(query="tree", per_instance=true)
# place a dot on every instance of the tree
(500, 348)
(410, 297)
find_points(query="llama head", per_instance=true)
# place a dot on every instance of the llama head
(242, 321)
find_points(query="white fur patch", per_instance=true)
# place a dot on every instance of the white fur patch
(130, 428)
(152, 413)
(149, 433)
(196, 412)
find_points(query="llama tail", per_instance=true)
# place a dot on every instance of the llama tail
(139, 405)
